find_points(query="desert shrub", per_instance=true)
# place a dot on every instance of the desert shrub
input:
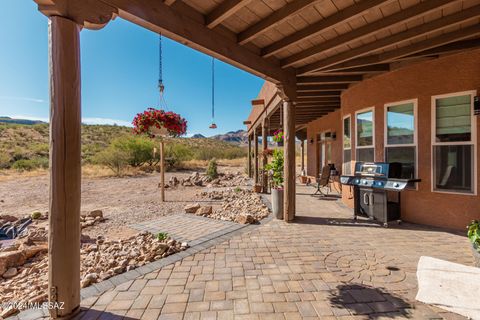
(40, 149)
(115, 159)
(30, 164)
(212, 169)
(139, 149)
(5, 161)
(20, 153)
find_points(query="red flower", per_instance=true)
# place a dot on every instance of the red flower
(173, 122)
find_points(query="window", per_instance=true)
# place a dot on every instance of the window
(453, 143)
(400, 137)
(347, 146)
(365, 140)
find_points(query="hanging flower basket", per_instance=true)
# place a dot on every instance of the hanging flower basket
(278, 137)
(154, 122)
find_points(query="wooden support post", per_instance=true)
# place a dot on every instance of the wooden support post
(255, 156)
(302, 147)
(289, 164)
(264, 156)
(162, 171)
(249, 156)
(65, 167)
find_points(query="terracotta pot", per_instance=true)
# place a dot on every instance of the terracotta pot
(476, 255)
(257, 188)
(303, 179)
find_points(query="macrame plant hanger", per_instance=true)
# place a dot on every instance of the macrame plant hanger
(213, 125)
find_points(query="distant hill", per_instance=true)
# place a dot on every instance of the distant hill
(236, 137)
(19, 121)
(198, 136)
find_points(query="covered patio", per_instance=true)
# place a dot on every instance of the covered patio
(310, 51)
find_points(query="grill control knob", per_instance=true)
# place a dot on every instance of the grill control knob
(396, 185)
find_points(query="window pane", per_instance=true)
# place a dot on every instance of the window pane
(366, 155)
(400, 124)
(347, 158)
(404, 155)
(365, 129)
(454, 168)
(453, 119)
(346, 133)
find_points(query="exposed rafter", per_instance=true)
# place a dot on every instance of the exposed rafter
(448, 48)
(321, 87)
(226, 9)
(319, 94)
(181, 28)
(328, 79)
(342, 16)
(169, 2)
(274, 19)
(421, 30)
(403, 16)
(412, 49)
(376, 68)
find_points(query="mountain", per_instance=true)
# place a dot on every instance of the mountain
(19, 121)
(198, 136)
(236, 137)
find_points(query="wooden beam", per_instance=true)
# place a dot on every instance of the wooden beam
(395, 19)
(277, 17)
(325, 24)
(320, 94)
(249, 157)
(321, 87)
(169, 2)
(412, 49)
(264, 156)
(65, 167)
(226, 9)
(421, 30)
(255, 156)
(258, 102)
(160, 18)
(289, 162)
(247, 122)
(376, 68)
(448, 48)
(321, 100)
(328, 79)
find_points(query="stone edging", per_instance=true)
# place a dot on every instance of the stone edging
(197, 245)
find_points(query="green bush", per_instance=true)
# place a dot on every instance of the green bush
(5, 161)
(30, 164)
(276, 166)
(474, 233)
(212, 172)
(114, 159)
(138, 149)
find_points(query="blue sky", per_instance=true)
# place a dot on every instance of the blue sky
(119, 74)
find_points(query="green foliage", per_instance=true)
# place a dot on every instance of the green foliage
(474, 233)
(276, 166)
(5, 161)
(36, 215)
(113, 158)
(162, 236)
(212, 169)
(30, 164)
(138, 149)
(237, 189)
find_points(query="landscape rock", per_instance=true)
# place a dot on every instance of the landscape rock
(10, 273)
(204, 211)
(192, 208)
(95, 214)
(8, 218)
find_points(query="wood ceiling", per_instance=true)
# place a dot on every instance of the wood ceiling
(323, 45)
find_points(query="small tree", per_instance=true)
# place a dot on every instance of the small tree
(276, 167)
(212, 169)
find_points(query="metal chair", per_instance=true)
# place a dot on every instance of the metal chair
(323, 180)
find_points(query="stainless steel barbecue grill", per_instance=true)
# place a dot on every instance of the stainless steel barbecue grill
(372, 182)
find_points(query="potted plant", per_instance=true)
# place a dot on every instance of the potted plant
(303, 177)
(278, 137)
(276, 169)
(474, 236)
(159, 122)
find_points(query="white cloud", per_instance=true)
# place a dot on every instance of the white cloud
(22, 99)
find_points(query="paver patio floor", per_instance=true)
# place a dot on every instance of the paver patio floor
(321, 266)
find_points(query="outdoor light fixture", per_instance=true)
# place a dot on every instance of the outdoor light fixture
(311, 140)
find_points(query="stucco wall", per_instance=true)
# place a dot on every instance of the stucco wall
(450, 74)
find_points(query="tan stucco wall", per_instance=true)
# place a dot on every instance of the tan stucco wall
(450, 74)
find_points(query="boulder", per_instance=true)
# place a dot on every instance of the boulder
(207, 210)
(8, 218)
(11, 259)
(192, 208)
(95, 213)
(10, 273)
(244, 219)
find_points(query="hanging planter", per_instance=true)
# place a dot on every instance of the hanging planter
(154, 122)
(278, 137)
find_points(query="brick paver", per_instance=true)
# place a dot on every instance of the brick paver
(324, 265)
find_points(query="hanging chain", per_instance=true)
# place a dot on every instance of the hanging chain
(213, 89)
(161, 87)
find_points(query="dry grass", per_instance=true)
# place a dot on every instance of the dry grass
(11, 174)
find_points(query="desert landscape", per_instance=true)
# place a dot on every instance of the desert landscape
(112, 200)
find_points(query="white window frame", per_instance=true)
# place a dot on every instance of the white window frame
(373, 132)
(343, 146)
(415, 133)
(472, 142)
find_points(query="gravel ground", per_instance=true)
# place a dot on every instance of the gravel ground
(123, 200)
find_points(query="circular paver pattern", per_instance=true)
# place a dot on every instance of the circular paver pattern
(364, 266)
